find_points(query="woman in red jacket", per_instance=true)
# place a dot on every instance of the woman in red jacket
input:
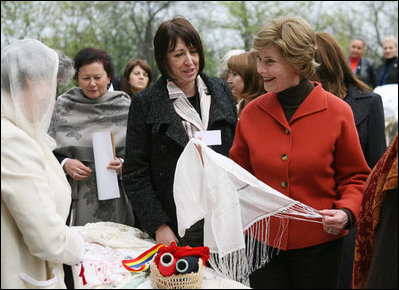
(302, 141)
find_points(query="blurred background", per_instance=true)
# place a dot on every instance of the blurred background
(125, 29)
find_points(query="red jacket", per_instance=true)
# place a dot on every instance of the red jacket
(316, 158)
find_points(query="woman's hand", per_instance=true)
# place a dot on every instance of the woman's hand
(76, 169)
(164, 235)
(116, 164)
(334, 220)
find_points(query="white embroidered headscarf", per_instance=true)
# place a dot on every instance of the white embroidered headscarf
(28, 87)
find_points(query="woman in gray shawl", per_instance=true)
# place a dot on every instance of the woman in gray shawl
(78, 113)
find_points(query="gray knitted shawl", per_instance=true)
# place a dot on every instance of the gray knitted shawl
(76, 117)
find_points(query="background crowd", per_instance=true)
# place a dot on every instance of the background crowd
(294, 111)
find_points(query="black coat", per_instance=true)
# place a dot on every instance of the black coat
(368, 112)
(390, 75)
(365, 71)
(154, 142)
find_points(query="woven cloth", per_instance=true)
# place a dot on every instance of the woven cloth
(382, 178)
(231, 201)
(74, 120)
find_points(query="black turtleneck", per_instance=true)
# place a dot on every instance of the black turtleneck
(390, 60)
(195, 101)
(291, 98)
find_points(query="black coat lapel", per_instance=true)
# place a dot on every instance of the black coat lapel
(163, 112)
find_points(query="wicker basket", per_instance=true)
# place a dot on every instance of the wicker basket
(176, 281)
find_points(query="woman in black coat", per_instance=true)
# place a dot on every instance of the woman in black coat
(336, 76)
(162, 119)
(387, 72)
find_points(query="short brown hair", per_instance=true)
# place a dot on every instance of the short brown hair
(294, 38)
(245, 65)
(165, 41)
(125, 85)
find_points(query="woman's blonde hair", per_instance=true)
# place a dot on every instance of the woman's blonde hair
(390, 39)
(294, 38)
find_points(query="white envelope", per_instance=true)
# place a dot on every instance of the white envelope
(107, 179)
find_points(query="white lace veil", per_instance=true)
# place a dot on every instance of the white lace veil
(28, 87)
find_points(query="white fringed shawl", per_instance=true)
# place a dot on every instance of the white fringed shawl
(231, 201)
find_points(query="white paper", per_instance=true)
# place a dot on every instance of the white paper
(212, 137)
(107, 179)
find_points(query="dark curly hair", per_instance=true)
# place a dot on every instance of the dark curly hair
(91, 54)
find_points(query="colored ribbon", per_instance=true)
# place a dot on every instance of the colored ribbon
(142, 262)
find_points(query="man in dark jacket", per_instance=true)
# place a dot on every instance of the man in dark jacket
(362, 67)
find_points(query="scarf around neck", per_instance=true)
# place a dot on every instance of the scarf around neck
(76, 117)
(192, 121)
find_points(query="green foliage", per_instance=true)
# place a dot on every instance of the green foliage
(125, 29)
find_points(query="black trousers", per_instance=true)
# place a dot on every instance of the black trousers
(316, 267)
(68, 279)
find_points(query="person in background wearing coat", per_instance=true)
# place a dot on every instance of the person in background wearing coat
(136, 77)
(163, 118)
(245, 83)
(80, 112)
(362, 67)
(35, 194)
(336, 76)
(301, 140)
(387, 72)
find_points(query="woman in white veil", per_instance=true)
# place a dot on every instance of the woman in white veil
(35, 195)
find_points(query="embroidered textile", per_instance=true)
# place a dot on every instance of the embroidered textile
(111, 243)
(231, 201)
(383, 177)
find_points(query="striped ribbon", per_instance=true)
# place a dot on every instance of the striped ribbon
(142, 262)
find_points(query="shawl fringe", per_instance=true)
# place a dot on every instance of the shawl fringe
(238, 265)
